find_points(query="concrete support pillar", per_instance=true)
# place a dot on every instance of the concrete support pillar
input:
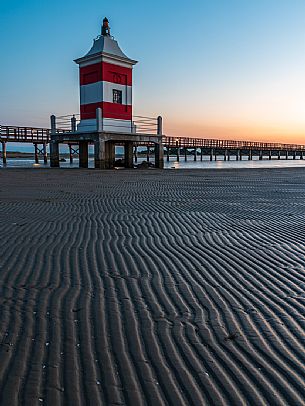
(240, 155)
(4, 159)
(279, 155)
(45, 153)
(250, 155)
(159, 152)
(301, 154)
(228, 155)
(99, 120)
(185, 154)
(167, 153)
(159, 125)
(128, 154)
(287, 154)
(104, 154)
(201, 154)
(53, 124)
(99, 154)
(260, 155)
(135, 154)
(294, 154)
(270, 155)
(225, 155)
(83, 154)
(110, 154)
(237, 154)
(195, 154)
(54, 154)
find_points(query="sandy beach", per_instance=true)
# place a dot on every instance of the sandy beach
(152, 287)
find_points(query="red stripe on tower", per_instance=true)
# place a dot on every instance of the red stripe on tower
(107, 72)
(105, 81)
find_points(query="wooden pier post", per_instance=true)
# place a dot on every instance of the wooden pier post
(201, 154)
(185, 154)
(128, 154)
(36, 154)
(301, 154)
(195, 154)
(287, 155)
(279, 155)
(70, 154)
(228, 155)
(211, 154)
(45, 153)
(294, 155)
(167, 153)
(83, 154)
(4, 159)
(135, 154)
(260, 155)
(148, 154)
(240, 155)
(237, 154)
(177, 151)
(225, 155)
(159, 150)
(54, 154)
(270, 155)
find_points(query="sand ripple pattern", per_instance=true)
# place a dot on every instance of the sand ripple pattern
(152, 287)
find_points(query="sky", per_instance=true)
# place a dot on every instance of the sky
(230, 69)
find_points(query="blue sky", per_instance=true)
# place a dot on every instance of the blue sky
(211, 68)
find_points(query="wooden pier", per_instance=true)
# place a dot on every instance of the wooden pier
(148, 135)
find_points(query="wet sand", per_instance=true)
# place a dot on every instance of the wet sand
(146, 287)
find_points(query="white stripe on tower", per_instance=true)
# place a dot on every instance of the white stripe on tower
(103, 91)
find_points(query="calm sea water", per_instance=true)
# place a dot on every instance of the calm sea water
(173, 164)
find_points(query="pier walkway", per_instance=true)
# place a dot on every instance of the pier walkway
(180, 147)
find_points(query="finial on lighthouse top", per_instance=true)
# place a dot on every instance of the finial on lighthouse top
(106, 46)
(105, 28)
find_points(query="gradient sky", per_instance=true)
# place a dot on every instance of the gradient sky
(212, 68)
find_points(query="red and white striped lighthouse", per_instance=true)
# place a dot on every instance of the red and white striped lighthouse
(105, 74)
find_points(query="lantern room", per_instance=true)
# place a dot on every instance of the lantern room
(105, 77)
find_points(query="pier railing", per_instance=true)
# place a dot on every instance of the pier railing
(24, 134)
(145, 125)
(183, 142)
(138, 124)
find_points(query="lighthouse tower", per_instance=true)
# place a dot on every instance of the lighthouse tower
(105, 75)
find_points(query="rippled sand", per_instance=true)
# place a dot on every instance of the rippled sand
(152, 287)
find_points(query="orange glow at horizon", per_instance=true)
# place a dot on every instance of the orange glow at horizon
(291, 135)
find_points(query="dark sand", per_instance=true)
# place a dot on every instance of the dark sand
(149, 287)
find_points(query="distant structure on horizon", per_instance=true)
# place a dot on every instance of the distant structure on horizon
(105, 77)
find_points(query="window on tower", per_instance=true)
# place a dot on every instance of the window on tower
(117, 96)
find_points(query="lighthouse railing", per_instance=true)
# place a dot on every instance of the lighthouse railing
(68, 122)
